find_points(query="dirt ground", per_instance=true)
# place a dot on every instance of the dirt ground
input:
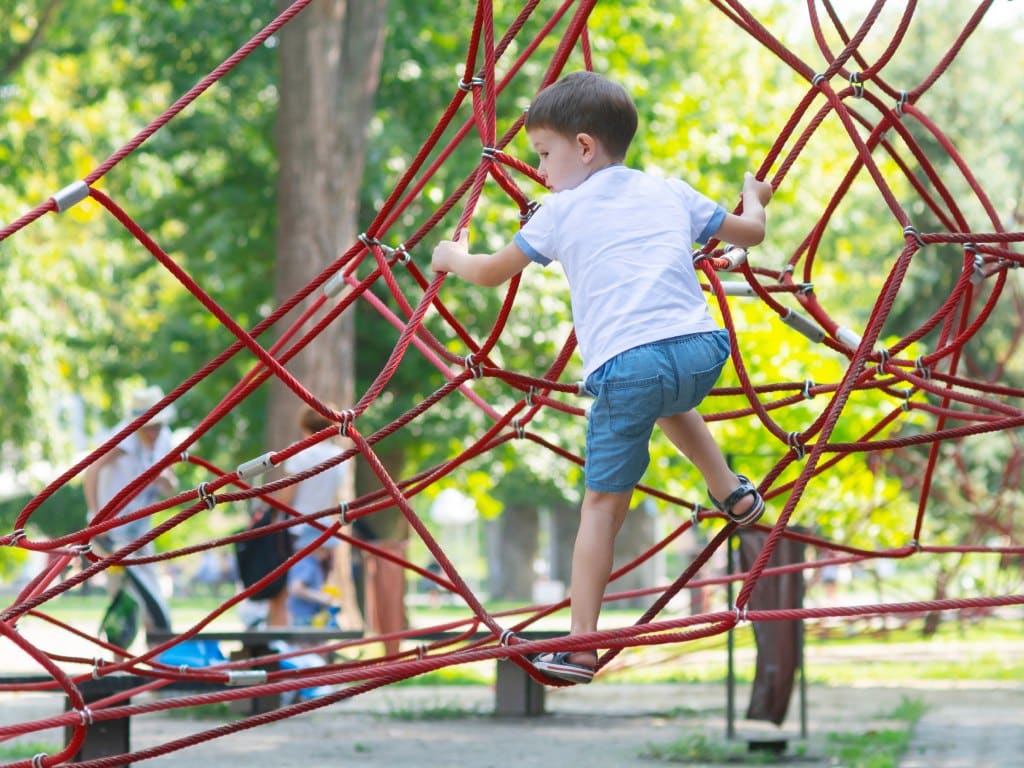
(600, 726)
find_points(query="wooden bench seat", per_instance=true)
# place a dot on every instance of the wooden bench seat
(516, 693)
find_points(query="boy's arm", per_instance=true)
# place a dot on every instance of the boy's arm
(748, 228)
(489, 269)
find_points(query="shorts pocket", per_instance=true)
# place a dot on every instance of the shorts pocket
(704, 381)
(633, 406)
(700, 363)
(700, 383)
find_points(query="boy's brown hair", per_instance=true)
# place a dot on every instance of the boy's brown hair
(586, 102)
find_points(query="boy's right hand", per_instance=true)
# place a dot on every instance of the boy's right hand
(447, 253)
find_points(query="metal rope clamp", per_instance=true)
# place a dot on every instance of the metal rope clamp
(857, 84)
(474, 367)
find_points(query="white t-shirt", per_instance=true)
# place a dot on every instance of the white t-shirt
(131, 459)
(321, 490)
(624, 239)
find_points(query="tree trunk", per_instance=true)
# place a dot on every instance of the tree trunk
(511, 575)
(565, 522)
(330, 56)
(933, 619)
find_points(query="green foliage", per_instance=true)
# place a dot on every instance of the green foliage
(89, 313)
(104, 312)
(976, 105)
(421, 80)
(60, 514)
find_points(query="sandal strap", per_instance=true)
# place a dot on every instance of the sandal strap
(743, 489)
(562, 657)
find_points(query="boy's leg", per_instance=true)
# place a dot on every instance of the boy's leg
(601, 517)
(690, 434)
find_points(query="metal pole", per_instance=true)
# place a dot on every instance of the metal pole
(730, 675)
(802, 635)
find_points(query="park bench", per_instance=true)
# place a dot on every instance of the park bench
(104, 738)
(516, 693)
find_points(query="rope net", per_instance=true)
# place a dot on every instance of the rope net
(924, 402)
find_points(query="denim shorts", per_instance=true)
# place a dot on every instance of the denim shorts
(636, 388)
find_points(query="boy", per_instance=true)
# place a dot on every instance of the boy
(651, 351)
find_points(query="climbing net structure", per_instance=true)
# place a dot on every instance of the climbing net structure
(928, 397)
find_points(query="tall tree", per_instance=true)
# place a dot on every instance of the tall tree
(330, 58)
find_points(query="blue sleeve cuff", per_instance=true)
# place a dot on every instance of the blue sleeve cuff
(712, 226)
(531, 252)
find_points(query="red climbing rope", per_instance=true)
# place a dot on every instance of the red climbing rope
(847, 87)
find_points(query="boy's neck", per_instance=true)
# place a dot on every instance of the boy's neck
(598, 167)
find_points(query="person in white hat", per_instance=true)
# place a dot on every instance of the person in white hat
(111, 473)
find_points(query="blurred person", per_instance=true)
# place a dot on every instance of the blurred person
(315, 494)
(311, 600)
(384, 580)
(103, 480)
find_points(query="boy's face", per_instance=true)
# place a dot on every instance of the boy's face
(563, 160)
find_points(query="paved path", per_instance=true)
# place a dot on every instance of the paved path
(600, 726)
(604, 725)
(970, 728)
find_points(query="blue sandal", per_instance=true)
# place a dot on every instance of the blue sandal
(745, 488)
(557, 665)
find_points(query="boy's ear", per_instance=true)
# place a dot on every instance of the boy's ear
(587, 146)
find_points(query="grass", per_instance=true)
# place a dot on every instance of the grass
(704, 660)
(875, 748)
(975, 655)
(878, 748)
(82, 608)
(26, 750)
(460, 674)
(698, 748)
(433, 712)
(987, 665)
(217, 710)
